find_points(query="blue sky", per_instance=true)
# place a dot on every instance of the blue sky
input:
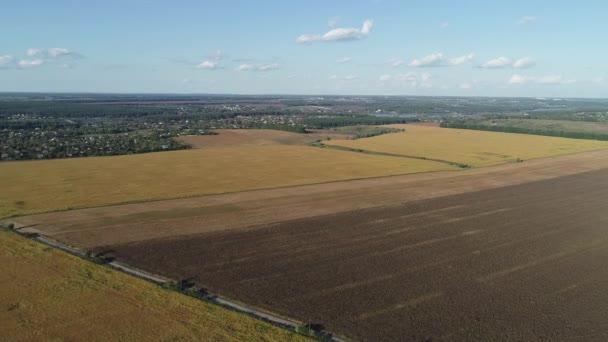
(475, 48)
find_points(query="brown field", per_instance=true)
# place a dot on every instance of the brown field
(405, 257)
(49, 295)
(517, 263)
(239, 137)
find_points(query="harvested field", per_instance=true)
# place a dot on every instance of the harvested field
(551, 125)
(475, 148)
(49, 295)
(40, 186)
(239, 137)
(165, 219)
(523, 262)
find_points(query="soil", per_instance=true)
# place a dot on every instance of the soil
(522, 262)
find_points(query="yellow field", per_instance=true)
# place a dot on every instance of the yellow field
(40, 186)
(49, 295)
(475, 148)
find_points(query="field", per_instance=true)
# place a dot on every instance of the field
(474, 148)
(511, 251)
(100, 226)
(551, 125)
(497, 257)
(48, 295)
(39, 186)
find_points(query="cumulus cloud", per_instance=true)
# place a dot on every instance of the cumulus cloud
(338, 34)
(395, 62)
(524, 62)
(500, 62)
(212, 62)
(58, 52)
(31, 52)
(343, 78)
(209, 65)
(526, 20)
(548, 79)
(30, 63)
(438, 59)
(257, 67)
(6, 61)
(504, 62)
(344, 60)
(384, 78)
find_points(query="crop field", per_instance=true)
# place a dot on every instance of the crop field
(551, 125)
(40, 186)
(514, 263)
(94, 227)
(474, 148)
(48, 295)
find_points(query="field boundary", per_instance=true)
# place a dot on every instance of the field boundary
(194, 292)
(386, 154)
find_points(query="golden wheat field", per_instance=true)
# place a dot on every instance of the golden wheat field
(41, 186)
(475, 148)
(49, 295)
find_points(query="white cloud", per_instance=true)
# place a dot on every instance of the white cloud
(395, 62)
(257, 67)
(500, 62)
(58, 52)
(31, 52)
(344, 60)
(548, 79)
(461, 60)
(209, 65)
(384, 78)
(338, 34)
(343, 78)
(30, 63)
(524, 62)
(504, 62)
(437, 59)
(444, 25)
(6, 61)
(526, 20)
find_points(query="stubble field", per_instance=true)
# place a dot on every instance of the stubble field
(474, 148)
(40, 186)
(521, 262)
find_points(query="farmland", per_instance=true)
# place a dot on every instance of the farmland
(551, 125)
(50, 295)
(385, 258)
(497, 257)
(39, 186)
(398, 232)
(473, 148)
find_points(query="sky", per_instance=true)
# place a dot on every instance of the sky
(368, 47)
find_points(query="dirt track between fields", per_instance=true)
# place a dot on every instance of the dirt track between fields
(151, 220)
(524, 262)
